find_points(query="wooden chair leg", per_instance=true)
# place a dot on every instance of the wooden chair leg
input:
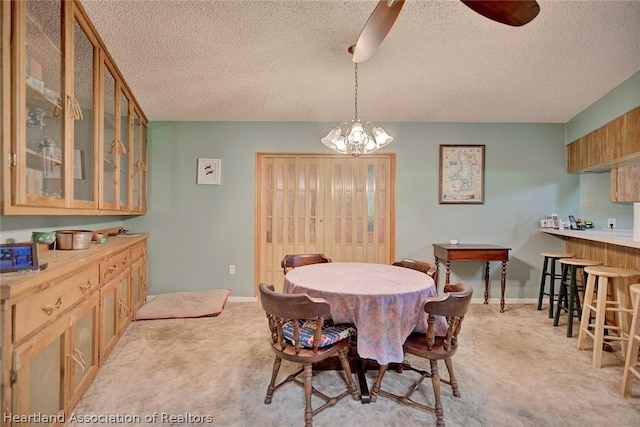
(308, 411)
(376, 386)
(452, 378)
(274, 374)
(435, 381)
(349, 378)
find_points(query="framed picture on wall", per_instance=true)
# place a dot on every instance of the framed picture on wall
(209, 171)
(461, 174)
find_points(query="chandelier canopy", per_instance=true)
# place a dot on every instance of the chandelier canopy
(354, 137)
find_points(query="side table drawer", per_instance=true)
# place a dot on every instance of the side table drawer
(33, 312)
(114, 265)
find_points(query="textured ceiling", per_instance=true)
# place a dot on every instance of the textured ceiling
(287, 60)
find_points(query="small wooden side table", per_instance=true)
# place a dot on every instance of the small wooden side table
(473, 252)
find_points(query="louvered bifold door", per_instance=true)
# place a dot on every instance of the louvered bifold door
(291, 206)
(335, 205)
(358, 224)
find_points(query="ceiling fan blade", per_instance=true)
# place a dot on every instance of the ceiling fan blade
(515, 13)
(376, 29)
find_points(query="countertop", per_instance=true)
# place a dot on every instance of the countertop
(614, 237)
(60, 262)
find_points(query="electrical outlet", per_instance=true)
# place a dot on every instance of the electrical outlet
(611, 223)
(588, 203)
(232, 269)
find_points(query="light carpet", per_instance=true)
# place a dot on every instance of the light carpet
(514, 369)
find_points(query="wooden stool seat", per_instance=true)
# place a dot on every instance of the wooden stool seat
(550, 271)
(620, 305)
(631, 359)
(568, 295)
(581, 262)
(557, 254)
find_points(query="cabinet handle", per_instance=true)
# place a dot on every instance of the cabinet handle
(125, 260)
(78, 357)
(123, 149)
(112, 145)
(110, 270)
(86, 287)
(76, 111)
(49, 309)
(124, 306)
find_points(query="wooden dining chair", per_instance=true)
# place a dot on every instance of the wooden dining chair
(298, 260)
(300, 334)
(453, 305)
(424, 267)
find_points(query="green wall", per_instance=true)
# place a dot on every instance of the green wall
(198, 230)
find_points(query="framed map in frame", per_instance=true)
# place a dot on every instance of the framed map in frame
(461, 174)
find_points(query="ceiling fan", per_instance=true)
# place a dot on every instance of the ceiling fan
(515, 13)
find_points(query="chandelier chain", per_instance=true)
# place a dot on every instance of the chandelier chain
(356, 92)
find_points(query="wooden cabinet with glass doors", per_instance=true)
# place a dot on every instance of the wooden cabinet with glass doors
(78, 138)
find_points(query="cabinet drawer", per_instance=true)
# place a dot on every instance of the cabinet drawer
(33, 312)
(138, 250)
(114, 265)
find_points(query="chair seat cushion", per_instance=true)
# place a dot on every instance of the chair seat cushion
(331, 333)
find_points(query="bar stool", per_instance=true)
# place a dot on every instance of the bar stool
(568, 295)
(550, 257)
(620, 305)
(634, 343)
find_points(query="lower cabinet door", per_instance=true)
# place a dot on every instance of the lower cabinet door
(138, 282)
(108, 318)
(124, 301)
(83, 356)
(39, 392)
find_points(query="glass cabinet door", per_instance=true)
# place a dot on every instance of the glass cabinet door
(109, 140)
(109, 317)
(39, 104)
(123, 154)
(124, 302)
(81, 106)
(135, 153)
(143, 168)
(84, 347)
(40, 368)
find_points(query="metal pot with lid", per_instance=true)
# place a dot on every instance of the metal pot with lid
(73, 239)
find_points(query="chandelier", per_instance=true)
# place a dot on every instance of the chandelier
(356, 138)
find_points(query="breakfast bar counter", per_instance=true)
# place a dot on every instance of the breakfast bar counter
(615, 248)
(613, 237)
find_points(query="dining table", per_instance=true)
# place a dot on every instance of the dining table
(384, 302)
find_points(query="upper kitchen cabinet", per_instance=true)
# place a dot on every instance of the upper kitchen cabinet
(616, 143)
(75, 141)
